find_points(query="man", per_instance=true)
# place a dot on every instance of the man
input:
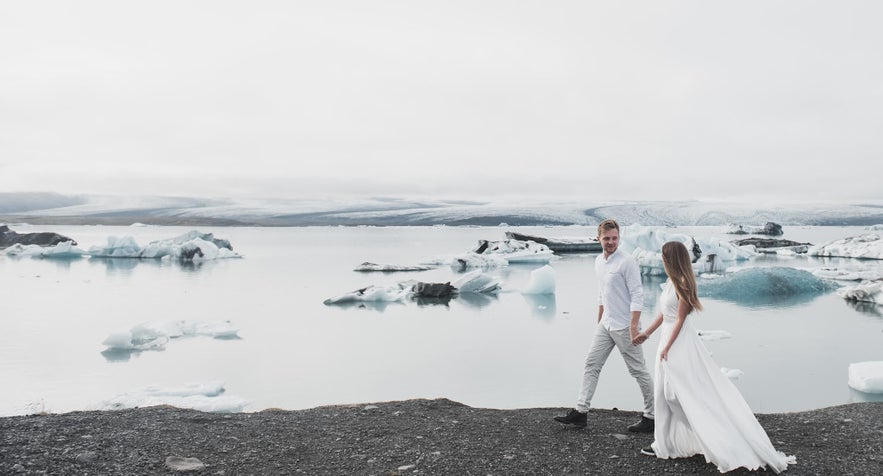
(620, 300)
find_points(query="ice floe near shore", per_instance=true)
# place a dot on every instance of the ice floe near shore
(867, 246)
(155, 335)
(206, 397)
(871, 291)
(191, 246)
(866, 376)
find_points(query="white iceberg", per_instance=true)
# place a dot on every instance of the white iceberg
(477, 282)
(709, 254)
(878, 227)
(155, 335)
(191, 246)
(871, 291)
(204, 397)
(866, 377)
(515, 251)
(368, 266)
(857, 273)
(374, 294)
(63, 250)
(868, 246)
(542, 281)
(474, 260)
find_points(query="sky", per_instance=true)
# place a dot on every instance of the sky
(652, 100)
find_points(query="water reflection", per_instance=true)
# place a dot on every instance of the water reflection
(477, 300)
(125, 266)
(542, 305)
(866, 308)
(119, 355)
(855, 396)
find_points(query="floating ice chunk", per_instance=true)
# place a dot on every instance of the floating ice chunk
(645, 245)
(477, 282)
(542, 281)
(515, 251)
(155, 335)
(63, 250)
(765, 286)
(732, 374)
(868, 246)
(367, 266)
(473, 260)
(866, 376)
(204, 397)
(117, 247)
(875, 228)
(373, 294)
(714, 335)
(871, 291)
(191, 246)
(860, 273)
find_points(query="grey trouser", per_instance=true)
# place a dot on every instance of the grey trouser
(633, 355)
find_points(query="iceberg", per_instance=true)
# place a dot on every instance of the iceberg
(368, 267)
(709, 254)
(866, 377)
(477, 282)
(765, 286)
(871, 291)
(473, 260)
(770, 228)
(857, 273)
(515, 251)
(204, 397)
(373, 294)
(868, 246)
(542, 281)
(9, 237)
(155, 335)
(63, 250)
(875, 227)
(191, 246)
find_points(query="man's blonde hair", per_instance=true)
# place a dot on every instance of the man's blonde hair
(607, 225)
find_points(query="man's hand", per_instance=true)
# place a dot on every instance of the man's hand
(633, 333)
(639, 339)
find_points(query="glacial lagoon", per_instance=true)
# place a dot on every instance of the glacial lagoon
(508, 350)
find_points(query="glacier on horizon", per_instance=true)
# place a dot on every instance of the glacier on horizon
(422, 211)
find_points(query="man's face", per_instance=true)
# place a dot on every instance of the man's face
(609, 241)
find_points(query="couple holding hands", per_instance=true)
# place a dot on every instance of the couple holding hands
(694, 408)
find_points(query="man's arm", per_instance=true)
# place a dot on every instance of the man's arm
(600, 312)
(636, 293)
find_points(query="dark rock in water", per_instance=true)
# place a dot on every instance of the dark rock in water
(9, 238)
(433, 290)
(772, 229)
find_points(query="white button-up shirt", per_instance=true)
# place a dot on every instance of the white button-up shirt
(619, 289)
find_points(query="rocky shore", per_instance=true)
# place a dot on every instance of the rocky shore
(408, 437)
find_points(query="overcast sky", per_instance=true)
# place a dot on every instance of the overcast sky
(545, 99)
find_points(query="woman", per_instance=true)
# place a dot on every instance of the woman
(698, 409)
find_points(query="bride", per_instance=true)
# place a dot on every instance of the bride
(698, 409)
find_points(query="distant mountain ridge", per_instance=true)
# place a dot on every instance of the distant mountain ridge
(48, 208)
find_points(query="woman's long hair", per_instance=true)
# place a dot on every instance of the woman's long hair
(676, 261)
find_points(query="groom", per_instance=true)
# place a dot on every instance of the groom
(620, 302)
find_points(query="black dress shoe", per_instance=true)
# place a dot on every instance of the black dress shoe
(648, 451)
(646, 425)
(573, 417)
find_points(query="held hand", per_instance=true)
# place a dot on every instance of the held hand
(640, 339)
(633, 333)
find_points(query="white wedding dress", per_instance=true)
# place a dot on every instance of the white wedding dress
(698, 409)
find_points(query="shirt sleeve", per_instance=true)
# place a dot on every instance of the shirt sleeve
(636, 289)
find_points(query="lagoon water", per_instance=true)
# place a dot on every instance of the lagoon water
(504, 351)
